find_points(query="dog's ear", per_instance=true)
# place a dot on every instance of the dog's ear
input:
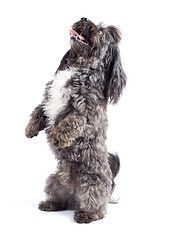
(115, 75)
(115, 33)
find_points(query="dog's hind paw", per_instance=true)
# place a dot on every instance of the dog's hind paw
(86, 217)
(50, 206)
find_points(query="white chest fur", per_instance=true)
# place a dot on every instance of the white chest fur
(59, 95)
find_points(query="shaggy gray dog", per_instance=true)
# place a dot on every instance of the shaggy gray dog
(73, 114)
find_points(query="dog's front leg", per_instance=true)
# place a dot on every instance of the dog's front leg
(36, 123)
(66, 132)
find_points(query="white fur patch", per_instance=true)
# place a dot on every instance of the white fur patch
(59, 95)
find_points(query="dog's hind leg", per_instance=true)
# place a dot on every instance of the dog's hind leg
(92, 205)
(92, 198)
(59, 197)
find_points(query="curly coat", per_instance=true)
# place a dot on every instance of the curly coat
(73, 113)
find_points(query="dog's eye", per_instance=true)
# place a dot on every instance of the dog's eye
(100, 31)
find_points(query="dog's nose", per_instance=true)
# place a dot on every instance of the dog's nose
(84, 19)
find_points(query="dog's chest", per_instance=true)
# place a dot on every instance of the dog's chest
(58, 95)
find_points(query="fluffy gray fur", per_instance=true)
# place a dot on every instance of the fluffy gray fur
(73, 114)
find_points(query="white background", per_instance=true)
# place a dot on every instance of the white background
(34, 35)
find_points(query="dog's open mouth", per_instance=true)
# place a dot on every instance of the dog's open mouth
(79, 38)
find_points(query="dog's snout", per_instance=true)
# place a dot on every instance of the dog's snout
(84, 19)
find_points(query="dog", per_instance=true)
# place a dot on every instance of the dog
(73, 114)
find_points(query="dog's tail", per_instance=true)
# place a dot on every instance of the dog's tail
(114, 162)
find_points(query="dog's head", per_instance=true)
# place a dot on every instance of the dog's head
(94, 45)
(95, 42)
(89, 39)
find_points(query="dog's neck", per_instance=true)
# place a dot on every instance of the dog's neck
(77, 60)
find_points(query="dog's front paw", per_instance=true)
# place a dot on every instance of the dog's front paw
(60, 138)
(86, 217)
(31, 131)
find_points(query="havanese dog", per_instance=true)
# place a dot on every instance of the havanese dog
(73, 114)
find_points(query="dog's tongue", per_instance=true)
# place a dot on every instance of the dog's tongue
(74, 33)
